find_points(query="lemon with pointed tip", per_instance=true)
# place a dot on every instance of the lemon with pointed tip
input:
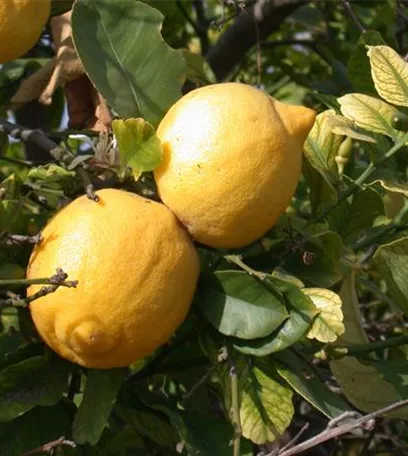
(21, 24)
(231, 161)
(136, 268)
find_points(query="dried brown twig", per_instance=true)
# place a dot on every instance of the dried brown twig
(50, 446)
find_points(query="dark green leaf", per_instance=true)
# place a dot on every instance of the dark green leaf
(35, 381)
(302, 311)
(303, 379)
(359, 69)
(102, 388)
(123, 52)
(396, 373)
(240, 305)
(123, 442)
(36, 427)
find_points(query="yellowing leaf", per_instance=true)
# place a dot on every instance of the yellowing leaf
(328, 324)
(321, 146)
(370, 113)
(266, 405)
(139, 147)
(395, 187)
(361, 383)
(342, 126)
(390, 74)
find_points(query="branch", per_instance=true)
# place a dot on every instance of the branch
(366, 421)
(241, 36)
(55, 281)
(35, 137)
(18, 239)
(353, 15)
(47, 447)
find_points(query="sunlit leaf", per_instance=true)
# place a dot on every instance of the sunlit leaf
(390, 74)
(321, 146)
(328, 324)
(266, 405)
(342, 126)
(302, 311)
(370, 113)
(124, 54)
(139, 146)
(240, 305)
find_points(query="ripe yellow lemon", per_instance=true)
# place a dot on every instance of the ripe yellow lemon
(231, 161)
(136, 268)
(21, 24)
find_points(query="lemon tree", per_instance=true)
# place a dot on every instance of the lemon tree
(203, 227)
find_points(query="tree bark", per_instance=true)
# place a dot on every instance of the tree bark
(242, 35)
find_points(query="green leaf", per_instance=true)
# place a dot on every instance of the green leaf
(358, 67)
(139, 147)
(125, 56)
(395, 372)
(390, 260)
(35, 381)
(59, 7)
(240, 305)
(370, 113)
(301, 314)
(303, 379)
(360, 382)
(10, 187)
(100, 394)
(198, 69)
(266, 408)
(50, 174)
(321, 147)
(342, 126)
(202, 434)
(328, 325)
(36, 427)
(390, 74)
(148, 423)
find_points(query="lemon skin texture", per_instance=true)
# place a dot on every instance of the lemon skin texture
(231, 161)
(136, 268)
(21, 24)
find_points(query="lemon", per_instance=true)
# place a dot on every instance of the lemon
(231, 161)
(21, 24)
(136, 268)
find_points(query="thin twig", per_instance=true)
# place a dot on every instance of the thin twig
(47, 447)
(353, 15)
(35, 137)
(291, 442)
(18, 239)
(237, 259)
(366, 421)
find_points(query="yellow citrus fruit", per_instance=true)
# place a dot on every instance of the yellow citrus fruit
(136, 268)
(231, 161)
(21, 24)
